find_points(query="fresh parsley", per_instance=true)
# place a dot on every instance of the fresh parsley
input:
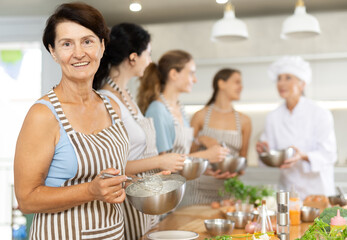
(319, 231)
(237, 189)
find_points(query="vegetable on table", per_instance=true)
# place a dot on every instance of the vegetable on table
(237, 189)
(321, 230)
(329, 213)
(250, 227)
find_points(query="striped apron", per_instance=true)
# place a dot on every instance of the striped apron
(136, 222)
(208, 185)
(95, 152)
(182, 144)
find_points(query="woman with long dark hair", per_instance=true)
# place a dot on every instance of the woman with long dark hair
(126, 56)
(219, 123)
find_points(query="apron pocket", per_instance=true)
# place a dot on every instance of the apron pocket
(110, 232)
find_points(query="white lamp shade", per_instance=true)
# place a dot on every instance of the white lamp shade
(229, 28)
(300, 25)
(135, 6)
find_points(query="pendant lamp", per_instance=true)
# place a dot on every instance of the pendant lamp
(301, 24)
(135, 6)
(229, 28)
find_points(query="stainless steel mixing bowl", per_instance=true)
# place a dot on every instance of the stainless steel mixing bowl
(240, 218)
(338, 200)
(219, 226)
(275, 158)
(230, 163)
(308, 214)
(193, 167)
(157, 204)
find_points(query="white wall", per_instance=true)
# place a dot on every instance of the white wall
(24, 31)
(264, 39)
(327, 54)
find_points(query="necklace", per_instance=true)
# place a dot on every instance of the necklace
(117, 88)
(170, 109)
(222, 110)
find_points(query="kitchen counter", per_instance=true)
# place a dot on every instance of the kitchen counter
(192, 219)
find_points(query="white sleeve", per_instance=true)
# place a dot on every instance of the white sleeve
(324, 148)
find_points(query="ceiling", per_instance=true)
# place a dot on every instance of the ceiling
(157, 11)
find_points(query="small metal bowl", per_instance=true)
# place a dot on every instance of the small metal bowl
(240, 218)
(275, 158)
(308, 214)
(219, 226)
(157, 204)
(193, 167)
(230, 164)
(338, 200)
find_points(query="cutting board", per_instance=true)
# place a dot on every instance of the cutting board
(196, 225)
(200, 211)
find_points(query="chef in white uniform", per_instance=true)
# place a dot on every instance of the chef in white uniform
(302, 124)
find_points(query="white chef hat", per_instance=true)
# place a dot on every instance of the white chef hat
(293, 65)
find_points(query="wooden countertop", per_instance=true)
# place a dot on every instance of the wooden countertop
(192, 219)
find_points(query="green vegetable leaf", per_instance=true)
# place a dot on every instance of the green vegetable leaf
(237, 189)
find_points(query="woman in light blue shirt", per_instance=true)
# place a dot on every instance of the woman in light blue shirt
(159, 91)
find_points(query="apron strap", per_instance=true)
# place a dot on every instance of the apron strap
(65, 122)
(166, 104)
(127, 104)
(57, 106)
(238, 121)
(208, 116)
(108, 106)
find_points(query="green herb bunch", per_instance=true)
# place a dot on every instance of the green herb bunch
(319, 231)
(237, 189)
(329, 213)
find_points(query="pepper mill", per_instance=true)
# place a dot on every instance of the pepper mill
(283, 215)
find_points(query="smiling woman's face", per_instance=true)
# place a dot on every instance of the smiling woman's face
(78, 50)
(186, 77)
(289, 86)
(232, 86)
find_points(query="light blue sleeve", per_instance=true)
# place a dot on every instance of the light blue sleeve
(164, 126)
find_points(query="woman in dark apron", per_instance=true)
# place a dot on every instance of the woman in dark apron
(218, 123)
(126, 56)
(158, 96)
(70, 137)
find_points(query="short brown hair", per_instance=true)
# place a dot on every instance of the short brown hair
(80, 13)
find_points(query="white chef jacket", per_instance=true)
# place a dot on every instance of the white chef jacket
(310, 128)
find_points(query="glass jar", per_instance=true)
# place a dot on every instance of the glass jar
(294, 208)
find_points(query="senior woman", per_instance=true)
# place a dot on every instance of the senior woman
(70, 136)
(302, 124)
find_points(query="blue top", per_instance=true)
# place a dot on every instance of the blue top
(164, 125)
(64, 164)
